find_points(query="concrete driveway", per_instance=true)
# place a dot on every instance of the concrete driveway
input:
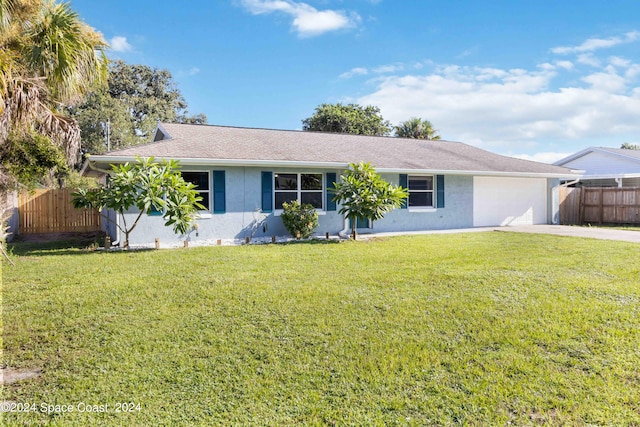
(574, 231)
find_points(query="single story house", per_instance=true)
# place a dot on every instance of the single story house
(244, 175)
(605, 167)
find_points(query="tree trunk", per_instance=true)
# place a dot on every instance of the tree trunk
(354, 224)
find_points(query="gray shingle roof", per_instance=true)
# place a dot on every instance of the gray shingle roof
(283, 146)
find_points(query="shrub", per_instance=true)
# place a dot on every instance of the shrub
(298, 218)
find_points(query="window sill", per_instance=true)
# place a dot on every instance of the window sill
(422, 209)
(205, 215)
(278, 212)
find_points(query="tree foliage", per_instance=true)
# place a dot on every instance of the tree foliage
(137, 97)
(28, 157)
(148, 186)
(352, 119)
(416, 128)
(299, 220)
(99, 114)
(363, 193)
(48, 58)
(630, 146)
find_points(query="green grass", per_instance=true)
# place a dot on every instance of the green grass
(467, 329)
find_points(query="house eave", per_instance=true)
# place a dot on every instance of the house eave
(480, 173)
(226, 162)
(611, 176)
(106, 160)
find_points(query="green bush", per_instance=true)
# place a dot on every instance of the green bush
(298, 218)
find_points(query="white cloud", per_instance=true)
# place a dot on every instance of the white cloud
(567, 65)
(593, 44)
(358, 71)
(607, 82)
(619, 62)
(193, 71)
(307, 20)
(544, 157)
(554, 107)
(501, 109)
(390, 68)
(589, 59)
(120, 44)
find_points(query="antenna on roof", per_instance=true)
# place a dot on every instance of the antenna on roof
(108, 135)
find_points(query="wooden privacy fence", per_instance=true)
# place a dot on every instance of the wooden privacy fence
(599, 205)
(52, 211)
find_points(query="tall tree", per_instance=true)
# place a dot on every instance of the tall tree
(137, 97)
(630, 146)
(100, 114)
(351, 118)
(48, 58)
(416, 128)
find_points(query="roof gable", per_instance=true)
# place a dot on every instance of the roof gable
(603, 161)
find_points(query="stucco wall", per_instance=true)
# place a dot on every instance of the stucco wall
(244, 197)
(457, 212)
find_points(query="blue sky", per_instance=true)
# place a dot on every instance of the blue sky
(534, 79)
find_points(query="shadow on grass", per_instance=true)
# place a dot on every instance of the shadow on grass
(76, 246)
(82, 245)
(63, 247)
(61, 244)
(310, 242)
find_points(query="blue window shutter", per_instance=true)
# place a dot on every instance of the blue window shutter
(439, 191)
(331, 178)
(219, 202)
(404, 183)
(154, 212)
(267, 191)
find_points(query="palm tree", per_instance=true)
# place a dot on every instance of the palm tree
(48, 59)
(416, 128)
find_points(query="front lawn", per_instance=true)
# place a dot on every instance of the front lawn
(468, 329)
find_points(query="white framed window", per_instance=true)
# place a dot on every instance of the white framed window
(202, 181)
(304, 187)
(421, 191)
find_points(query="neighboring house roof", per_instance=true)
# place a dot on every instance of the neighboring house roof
(224, 145)
(603, 162)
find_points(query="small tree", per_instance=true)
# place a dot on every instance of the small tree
(148, 186)
(364, 194)
(299, 219)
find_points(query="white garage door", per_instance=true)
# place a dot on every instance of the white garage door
(509, 201)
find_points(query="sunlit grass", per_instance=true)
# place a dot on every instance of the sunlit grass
(476, 329)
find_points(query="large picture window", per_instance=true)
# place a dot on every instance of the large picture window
(420, 191)
(304, 187)
(202, 182)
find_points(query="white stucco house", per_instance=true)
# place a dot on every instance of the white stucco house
(605, 167)
(241, 171)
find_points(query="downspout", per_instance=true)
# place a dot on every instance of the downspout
(117, 241)
(619, 182)
(106, 172)
(343, 233)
